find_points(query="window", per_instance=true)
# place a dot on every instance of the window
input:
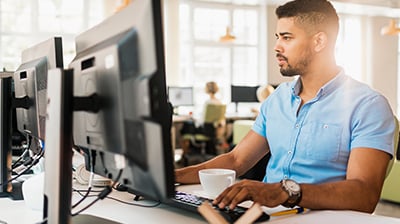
(25, 23)
(203, 58)
(349, 53)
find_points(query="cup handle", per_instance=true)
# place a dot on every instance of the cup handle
(231, 181)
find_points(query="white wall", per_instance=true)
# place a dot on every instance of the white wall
(171, 40)
(274, 76)
(382, 60)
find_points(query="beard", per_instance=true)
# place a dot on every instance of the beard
(289, 71)
(297, 69)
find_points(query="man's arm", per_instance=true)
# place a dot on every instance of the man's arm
(244, 156)
(360, 191)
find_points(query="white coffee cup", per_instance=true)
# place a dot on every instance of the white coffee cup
(214, 181)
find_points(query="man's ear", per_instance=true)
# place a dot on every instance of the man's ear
(320, 41)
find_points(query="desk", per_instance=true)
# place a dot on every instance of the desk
(231, 117)
(16, 212)
(180, 118)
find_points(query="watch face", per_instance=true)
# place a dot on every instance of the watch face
(293, 186)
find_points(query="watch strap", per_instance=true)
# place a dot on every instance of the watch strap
(292, 201)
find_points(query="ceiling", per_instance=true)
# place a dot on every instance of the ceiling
(386, 8)
(382, 3)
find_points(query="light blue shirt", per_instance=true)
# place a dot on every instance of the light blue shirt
(312, 144)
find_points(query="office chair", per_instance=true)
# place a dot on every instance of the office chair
(240, 129)
(391, 186)
(202, 144)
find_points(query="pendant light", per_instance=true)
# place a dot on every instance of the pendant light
(390, 29)
(228, 37)
(122, 4)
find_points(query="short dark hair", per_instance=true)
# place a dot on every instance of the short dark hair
(314, 15)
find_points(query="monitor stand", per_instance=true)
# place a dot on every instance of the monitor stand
(11, 190)
(58, 157)
(14, 192)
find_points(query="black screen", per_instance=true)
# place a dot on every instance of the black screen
(244, 94)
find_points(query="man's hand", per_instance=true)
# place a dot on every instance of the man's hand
(270, 195)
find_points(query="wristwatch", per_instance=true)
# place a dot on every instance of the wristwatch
(294, 191)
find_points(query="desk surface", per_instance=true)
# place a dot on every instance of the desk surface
(229, 116)
(18, 212)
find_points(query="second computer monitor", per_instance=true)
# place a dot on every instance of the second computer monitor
(241, 94)
(180, 96)
(30, 83)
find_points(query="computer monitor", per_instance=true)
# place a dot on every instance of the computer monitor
(120, 62)
(121, 118)
(180, 96)
(243, 94)
(30, 83)
(5, 137)
(23, 107)
(246, 94)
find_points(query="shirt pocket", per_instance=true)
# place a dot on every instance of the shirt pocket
(320, 141)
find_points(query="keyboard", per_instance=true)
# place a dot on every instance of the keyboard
(191, 202)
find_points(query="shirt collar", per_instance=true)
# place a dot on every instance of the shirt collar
(329, 87)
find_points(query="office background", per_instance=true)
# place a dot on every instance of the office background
(192, 36)
(194, 53)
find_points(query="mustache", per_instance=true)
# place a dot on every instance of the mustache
(279, 55)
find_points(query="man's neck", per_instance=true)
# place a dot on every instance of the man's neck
(313, 80)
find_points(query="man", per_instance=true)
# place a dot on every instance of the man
(330, 137)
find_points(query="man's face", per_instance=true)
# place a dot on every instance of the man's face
(293, 48)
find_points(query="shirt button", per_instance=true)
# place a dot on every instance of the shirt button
(285, 177)
(297, 125)
(289, 152)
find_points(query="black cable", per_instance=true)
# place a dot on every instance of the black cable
(86, 207)
(24, 171)
(135, 204)
(119, 200)
(16, 162)
(83, 197)
(103, 194)
(28, 138)
(85, 190)
(31, 162)
(76, 148)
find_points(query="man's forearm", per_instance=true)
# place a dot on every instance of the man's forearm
(342, 195)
